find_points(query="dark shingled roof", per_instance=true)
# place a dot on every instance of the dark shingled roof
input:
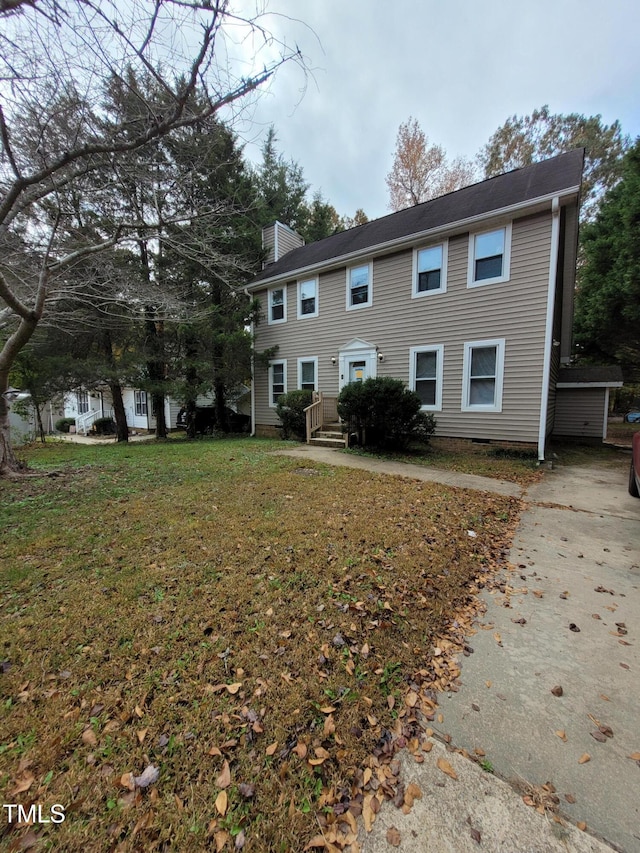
(590, 375)
(521, 185)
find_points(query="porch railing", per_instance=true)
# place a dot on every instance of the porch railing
(314, 415)
(84, 422)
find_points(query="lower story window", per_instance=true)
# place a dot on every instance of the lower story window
(141, 402)
(277, 381)
(83, 402)
(307, 374)
(425, 375)
(483, 376)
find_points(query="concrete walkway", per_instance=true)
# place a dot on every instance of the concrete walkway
(570, 618)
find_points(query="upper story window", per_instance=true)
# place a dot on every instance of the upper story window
(430, 270)
(308, 298)
(359, 286)
(489, 257)
(277, 380)
(483, 371)
(425, 375)
(141, 402)
(277, 309)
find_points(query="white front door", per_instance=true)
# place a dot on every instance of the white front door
(358, 361)
(357, 371)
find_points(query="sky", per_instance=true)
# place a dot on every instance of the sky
(460, 67)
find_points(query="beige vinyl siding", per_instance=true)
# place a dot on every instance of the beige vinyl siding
(580, 412)
(514, 311)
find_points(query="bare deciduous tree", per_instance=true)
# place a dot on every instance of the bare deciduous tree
(57, 59)
(420, 171)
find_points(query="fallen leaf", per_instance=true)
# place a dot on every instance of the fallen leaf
(570, 798)
(557, 690)
(221, 839)
(497, 638)
(599, 736)
(148, 777)
(562, 735)
(240, 840)
(246, 790)
(584, 758)
(316, 841)
(573, 627)
(581, 825)
(23, 784)
(475, 834)
(393, 837)
(224, 779)
(141, 735)
(444, 765)
(222, 803)
(89, 737)
(270, 750)
(635, 756)
(233, 688)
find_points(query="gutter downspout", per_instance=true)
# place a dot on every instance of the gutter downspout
(548, 338)
(253, 371)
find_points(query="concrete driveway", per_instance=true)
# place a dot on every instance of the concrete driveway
(569, 618)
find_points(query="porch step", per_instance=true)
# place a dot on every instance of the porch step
(328, 440)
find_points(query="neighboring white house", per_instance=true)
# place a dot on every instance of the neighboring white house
(87, 406)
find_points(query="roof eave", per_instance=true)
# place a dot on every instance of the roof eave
(410, 239)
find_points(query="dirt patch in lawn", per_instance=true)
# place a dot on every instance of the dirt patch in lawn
(213, 648)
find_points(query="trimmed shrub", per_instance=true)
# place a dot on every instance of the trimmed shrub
(290, 409)
(64, 423)
(104, 426)
(383, 413)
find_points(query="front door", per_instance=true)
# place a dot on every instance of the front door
(357, 371)
(358, 361)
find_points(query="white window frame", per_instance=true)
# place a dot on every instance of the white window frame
(369, 301)
(314, 313)
(417, 294)
(506, 257)
(272, 364)
(283, 288)
(83, 404)
(314, 360)
(496, 406)
(140, 403)
(439, 350)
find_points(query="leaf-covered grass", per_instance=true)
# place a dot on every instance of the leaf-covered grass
(248, 627)
(513, 465)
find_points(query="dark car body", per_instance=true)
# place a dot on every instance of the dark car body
(634, 470)
(206, 420)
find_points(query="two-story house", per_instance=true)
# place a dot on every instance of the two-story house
(468, 299)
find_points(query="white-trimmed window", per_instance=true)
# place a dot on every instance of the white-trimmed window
(482, 376)
(359, 286)
(489, 257)
(425, 375)
(82, 399)
(308, 374)
(277, 308)
(430, 269)
(308, 298)
(277, 380)
(140, 398)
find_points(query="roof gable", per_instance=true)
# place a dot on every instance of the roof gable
(559, 175)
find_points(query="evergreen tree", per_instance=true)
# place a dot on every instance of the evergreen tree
(608, 297)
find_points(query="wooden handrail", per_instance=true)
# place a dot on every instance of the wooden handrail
(313, 415)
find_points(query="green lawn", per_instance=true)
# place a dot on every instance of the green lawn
(255, 630)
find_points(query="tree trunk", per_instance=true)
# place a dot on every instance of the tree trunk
(40, 427)
(9, 465)
(220, 399)
(119, 414)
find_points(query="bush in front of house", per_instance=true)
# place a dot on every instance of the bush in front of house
(383, 413)
(104, 426)
(290, 409)
(63, 424)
